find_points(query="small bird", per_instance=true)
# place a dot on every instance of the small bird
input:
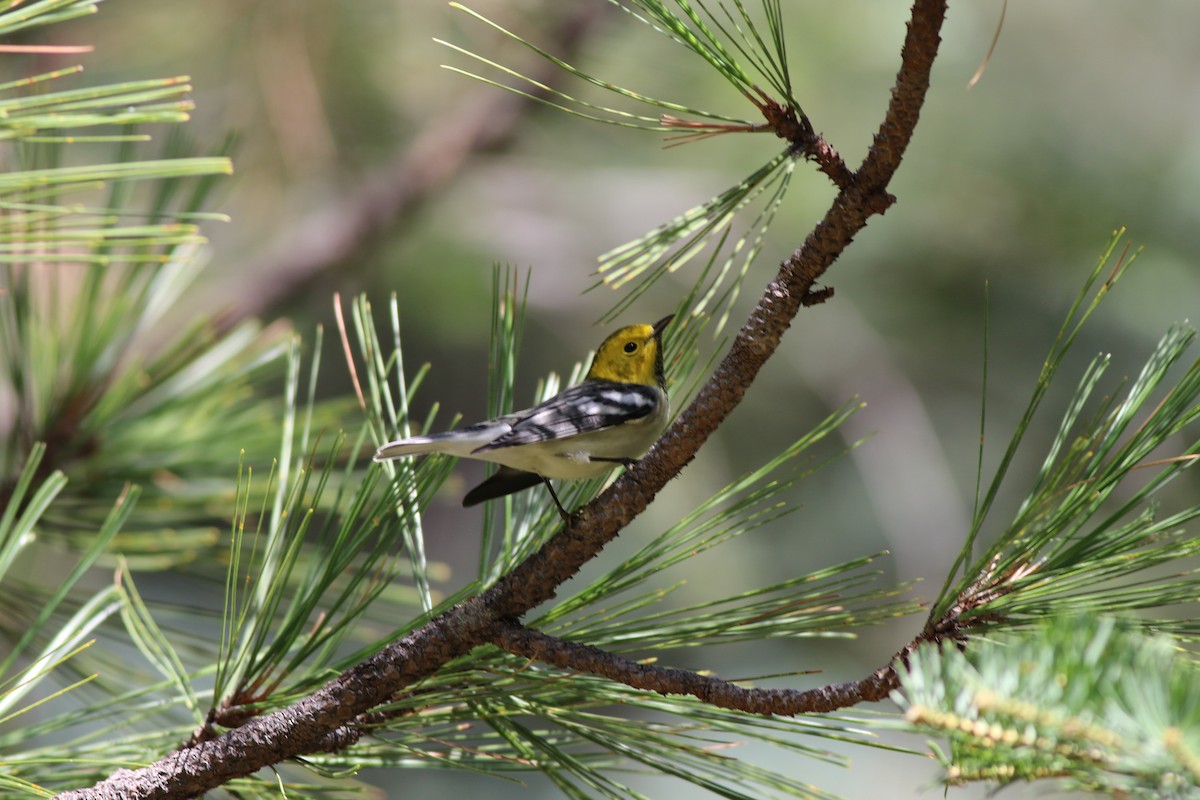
(611, 417)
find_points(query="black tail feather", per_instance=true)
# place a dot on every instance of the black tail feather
(506, 480)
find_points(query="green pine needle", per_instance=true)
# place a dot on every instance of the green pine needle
(576, 106)
(1085, 534)
(719, 37)
(667, 248)
(1088, 701)
(18, 15)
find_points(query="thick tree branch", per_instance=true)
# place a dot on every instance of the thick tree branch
(304, 727)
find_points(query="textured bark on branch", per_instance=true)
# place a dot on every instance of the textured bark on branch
(537, 646)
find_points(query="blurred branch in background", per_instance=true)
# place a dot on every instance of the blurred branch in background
(349, 227)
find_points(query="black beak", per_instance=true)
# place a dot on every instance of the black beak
(661, 325)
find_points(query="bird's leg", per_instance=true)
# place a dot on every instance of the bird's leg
(562, 512)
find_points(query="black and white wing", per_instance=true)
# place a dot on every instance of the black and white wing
(589, 407)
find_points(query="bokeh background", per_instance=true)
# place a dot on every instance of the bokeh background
(1087, 119)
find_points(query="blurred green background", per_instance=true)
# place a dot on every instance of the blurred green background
(1087, 119)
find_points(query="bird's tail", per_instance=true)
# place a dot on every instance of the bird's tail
(408, 447)
(459, 443)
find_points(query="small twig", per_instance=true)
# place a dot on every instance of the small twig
(794, 127)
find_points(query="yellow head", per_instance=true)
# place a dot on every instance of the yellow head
(632, 355)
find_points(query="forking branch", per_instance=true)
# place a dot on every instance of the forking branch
(328, 717)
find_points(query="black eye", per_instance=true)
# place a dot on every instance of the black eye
(631, 347)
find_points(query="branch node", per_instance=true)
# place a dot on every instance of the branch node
(814, 297)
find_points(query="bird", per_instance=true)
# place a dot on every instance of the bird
(611, 417)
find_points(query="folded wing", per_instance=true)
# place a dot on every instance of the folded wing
(589, 407)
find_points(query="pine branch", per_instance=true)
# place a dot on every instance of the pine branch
(1091, 702)
(534, 645)
(305, 726)
(729, 41)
